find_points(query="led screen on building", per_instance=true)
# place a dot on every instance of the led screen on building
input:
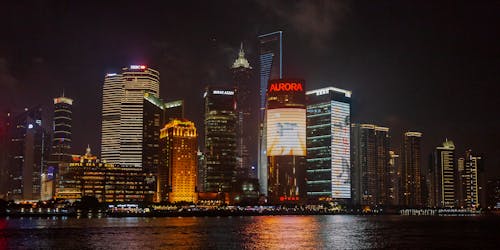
(286, 131)
(341, 153)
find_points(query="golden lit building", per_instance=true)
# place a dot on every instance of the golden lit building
(178, 167)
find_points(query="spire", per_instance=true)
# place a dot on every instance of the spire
(88, 150)
(241, 61)
(63, 93)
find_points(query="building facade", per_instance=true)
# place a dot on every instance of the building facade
(221, 120)
(473, 179)
(112, 94)
(411, 171)
(442, 175)
(271, 67)
(286, 140)
(371, 165)
(328, 144)
(178, 171)
(62, 121)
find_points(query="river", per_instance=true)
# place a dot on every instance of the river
(252, 232)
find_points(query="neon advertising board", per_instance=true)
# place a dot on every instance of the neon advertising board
(341, 150)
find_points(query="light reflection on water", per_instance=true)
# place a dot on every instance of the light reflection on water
(260, 232)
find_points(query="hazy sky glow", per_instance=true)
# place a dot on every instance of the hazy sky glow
(427, 66)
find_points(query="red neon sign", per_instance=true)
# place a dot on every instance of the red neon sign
(286, 86)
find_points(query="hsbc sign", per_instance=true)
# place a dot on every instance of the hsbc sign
(286, 86)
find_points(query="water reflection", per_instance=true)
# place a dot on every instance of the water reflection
(265, 232)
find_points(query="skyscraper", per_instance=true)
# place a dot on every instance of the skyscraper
(241, 70)
(473, 181)
(138, 80)
(442, 174)
(123, 113)
(220, 138)
(328, 143)
(112, 94)
(371, 169)
(271, 67)
(173, 110)
(411, 171)
(286, 140)
(395, 179)
(61, 138)
(178, 171)
(27, 155)
(153, 116)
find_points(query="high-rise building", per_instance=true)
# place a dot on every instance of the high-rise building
(411, 170)
(173, 110)
(153, 112)
(5, 128)
(178, 171)
(220, 138)
(371, 165)
(461, 183)
(271, 67)
(123, 113)
(328, 144)
(138, 80)
(286, 140)
(394, 179)
(241, 70)
(442, 176)
(112, 94)
(27, 155)
(61, 138)
(473, 169)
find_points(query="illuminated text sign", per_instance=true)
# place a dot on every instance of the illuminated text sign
(286, 86)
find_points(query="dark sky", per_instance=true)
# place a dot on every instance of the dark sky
(430, 66)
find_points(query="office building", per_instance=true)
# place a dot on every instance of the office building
(371, 165)
(123, 113)
(112, 94)
(328, 144)
(394, 179)
(62, 124)
(153, 116)
(473, 179)
(271, 67)
(246, 132)
(220, 138)
(442, 176)
(178, 171)
(286, 140)
(5, 126)
(27, 155)
(173, 110)
(411, 170)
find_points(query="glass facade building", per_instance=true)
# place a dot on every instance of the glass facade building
(442, 176)
(411, 170)
(328, 144)
(220, 139)
(271, 67)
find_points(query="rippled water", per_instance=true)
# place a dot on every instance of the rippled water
(265, 232)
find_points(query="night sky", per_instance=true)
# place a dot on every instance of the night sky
(429, 66)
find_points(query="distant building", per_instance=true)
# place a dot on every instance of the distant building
(286, 140)
(442, 176)
(86, 175)
(27, 155)
(241, 70)
(394, 179)
(5, 127)
(61, 138)
(473, 179)
(493, 194)
(112, 94)
(328, 144)
(371, 165)
(271, 67)
(220, 138)
(152, 119)
(178, 171)
(411, 170)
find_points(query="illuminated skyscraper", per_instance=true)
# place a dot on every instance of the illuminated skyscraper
(473, 181)
(178, 171)
(153, 112)
(371, 169)
(271, 67)
(112, 94)
(123, 113)
(220, 139)
(395, 179)
(61, 139)
(286, 140)
(138, 80)
(246, 127)
(411, 170)
(442, 174)
(328, 143)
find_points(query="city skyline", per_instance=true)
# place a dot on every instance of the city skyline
(412, 98)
